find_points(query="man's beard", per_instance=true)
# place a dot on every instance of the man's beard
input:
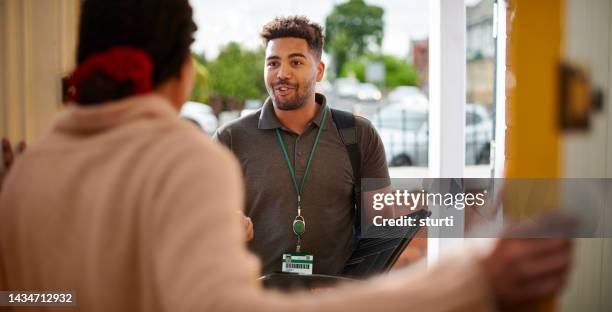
(295, 102)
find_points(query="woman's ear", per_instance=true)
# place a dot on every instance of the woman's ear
(178, 89)
(187, 79)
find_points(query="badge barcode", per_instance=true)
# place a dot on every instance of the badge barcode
(297, 266)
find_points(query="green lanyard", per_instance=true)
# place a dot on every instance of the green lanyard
(299, 224)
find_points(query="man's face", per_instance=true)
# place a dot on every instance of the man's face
(291, 72)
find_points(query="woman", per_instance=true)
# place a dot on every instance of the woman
(133, 209)
(107, 203)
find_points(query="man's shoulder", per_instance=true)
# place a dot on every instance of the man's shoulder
(246, 122)
(365, 130)
(363, 123)
(179, 138)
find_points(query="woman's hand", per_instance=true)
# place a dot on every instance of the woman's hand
(248, 227)
(8, 157)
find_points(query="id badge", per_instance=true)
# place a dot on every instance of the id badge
(298, 262)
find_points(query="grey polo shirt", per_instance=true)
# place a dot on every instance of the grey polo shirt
(327, 204)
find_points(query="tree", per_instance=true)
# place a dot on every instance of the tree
(398, 72)
(201, 87)
(352, 29)
(237, 73)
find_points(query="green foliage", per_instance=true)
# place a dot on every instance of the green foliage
(201, 89)
(354, 68)
(201, 58)
(238, 73)
(352, 29)
(398, 72)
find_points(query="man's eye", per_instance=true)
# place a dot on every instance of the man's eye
(272, 64)
(297, 62)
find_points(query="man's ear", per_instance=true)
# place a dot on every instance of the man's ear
(320, 71)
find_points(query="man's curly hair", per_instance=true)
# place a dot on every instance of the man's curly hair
(297, 27)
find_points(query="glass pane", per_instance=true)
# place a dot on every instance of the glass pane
(480, 74)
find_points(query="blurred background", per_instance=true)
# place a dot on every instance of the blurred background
(376, 54)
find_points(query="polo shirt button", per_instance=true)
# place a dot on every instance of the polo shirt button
(299, 153)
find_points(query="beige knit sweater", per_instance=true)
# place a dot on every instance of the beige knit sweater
(135, 210)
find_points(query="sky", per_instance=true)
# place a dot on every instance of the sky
(221, 22)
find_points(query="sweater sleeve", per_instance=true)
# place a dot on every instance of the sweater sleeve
(200, 261)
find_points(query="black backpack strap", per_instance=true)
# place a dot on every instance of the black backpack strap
(345, 122)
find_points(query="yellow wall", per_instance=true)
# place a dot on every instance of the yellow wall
(533, 136)
(534, 54)
(37, 44)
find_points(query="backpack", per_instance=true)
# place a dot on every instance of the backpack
(345, 122)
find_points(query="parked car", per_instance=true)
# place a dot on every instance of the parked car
(324, 87)
(201, 115)
(346, 87)
(250, 106)
(404, 130)
(368, 92)
(408, 94)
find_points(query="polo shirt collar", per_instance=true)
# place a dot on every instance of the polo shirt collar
(268, 120)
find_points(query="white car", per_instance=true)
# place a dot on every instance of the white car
(200, 114)
(324, 87)
(250, 106)
(346, 87)
(408, 94)
(368, 92)
(404, 131)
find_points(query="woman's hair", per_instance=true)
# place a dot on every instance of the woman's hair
(163, 29)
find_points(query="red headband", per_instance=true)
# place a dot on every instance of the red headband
(121, 64)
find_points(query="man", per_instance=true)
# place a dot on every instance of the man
(292, 147)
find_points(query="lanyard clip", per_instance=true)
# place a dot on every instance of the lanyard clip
(298, 246)
(299, 226)
(299, 206)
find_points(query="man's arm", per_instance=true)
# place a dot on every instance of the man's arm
(222, 136)
(373, 157)
(374, 166)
